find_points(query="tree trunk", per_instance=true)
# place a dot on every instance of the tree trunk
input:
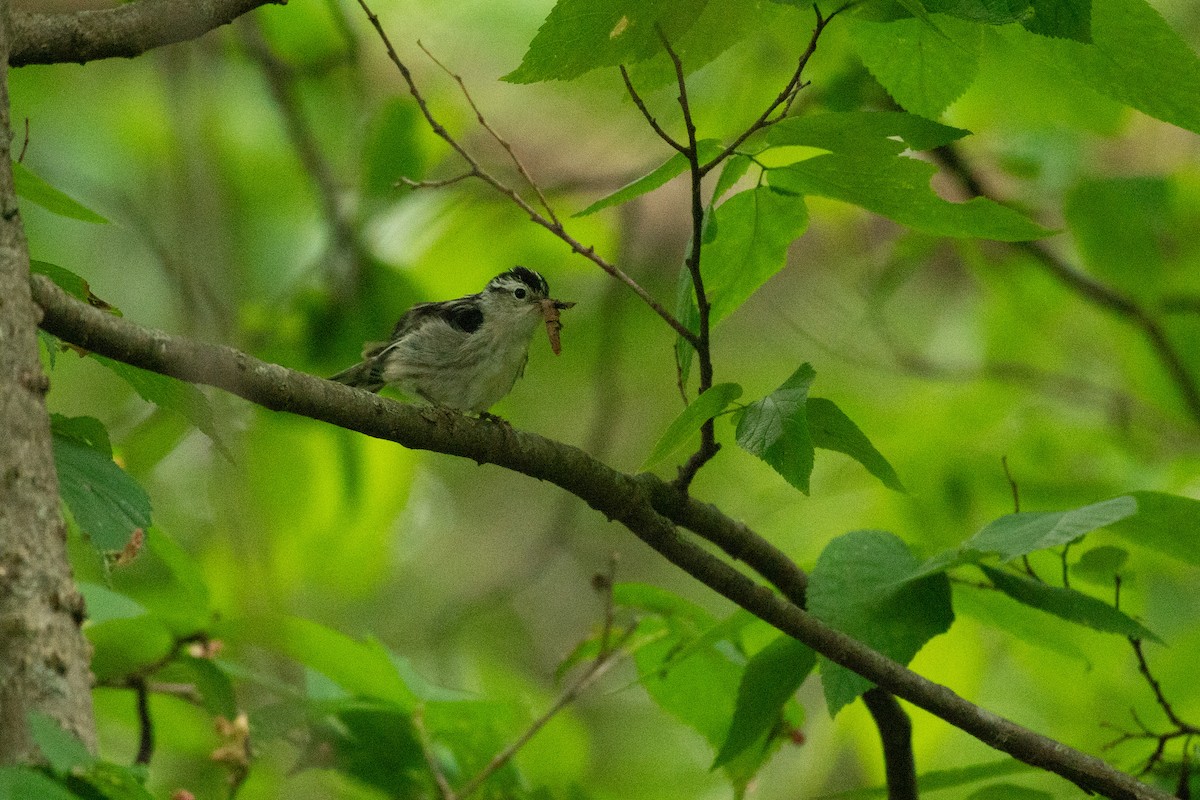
(43, 654)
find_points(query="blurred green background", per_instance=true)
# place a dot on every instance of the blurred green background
(949, 356)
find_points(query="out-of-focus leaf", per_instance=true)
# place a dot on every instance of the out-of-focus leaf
(1165, 522)
(924, 68)
(1069, 604)
(1015, 535)
(70, 283)
(831, 429)
(1018, 621)
(1122, 227)
(673, 166)
(851, 588)
(21, 783)
(776, 429)
(771, 677)
(167, 581)
(878, 133)
(713, 401)
(104, 604)
(393, 149)
(122, 646)
(377, 744)
(1009, 791)
(581, 35)
(942, 779)
(105, 502)
(63, 750)
(753, 231)
(169, 393)
(213, 683)
(364, 669)
(898, 188)
(1100, 565)
(1060, 19)
(38, 191)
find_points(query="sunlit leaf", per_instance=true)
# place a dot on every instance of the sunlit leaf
(924, 68)
(831, 429)
(898, 188)
(713, 401)
(851, 589)
(753, 231)
(673, 166)
(775, 429)
(879, 133)
(771, 677)
(38, 191)
(1069, 604)
(731, 173)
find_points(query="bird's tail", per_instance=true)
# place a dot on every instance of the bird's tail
(363, 375)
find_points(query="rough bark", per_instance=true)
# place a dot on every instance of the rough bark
(43, 655)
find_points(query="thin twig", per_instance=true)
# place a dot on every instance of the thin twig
(409, 182)
(24, 142)
(641, 106)
(439, 777)
(499, 186)
(487, 127)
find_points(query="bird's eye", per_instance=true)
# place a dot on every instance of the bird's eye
(519, 294)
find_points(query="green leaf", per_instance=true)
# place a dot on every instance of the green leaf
(215, 687)
(670, 606)
(124, 646)
(673, 166)
(23, 783)
(776, 429)
(731, 173)
(1100, 565)
(87, 431)
(393, 148)
(1068, 604)
(851, 588)
(831, 429)
(1009, 791)
(105, 502)
(1061, 19)
(1122, 227)
(66, 280)
(923, 68)
(63, 750)
(988, 12)
(1135, 58)
(863, 132)
(166, 580)
(1015, 535)
(942, 779)
(1165, 522)
(713, 401)
(36, 190)
(581, 35)
(771, 677)
(104, 604)
(378, 745)
(364, 669)
(169, 393)
(898, 188)
(753, 231)
(1018, 621)
(116, 782)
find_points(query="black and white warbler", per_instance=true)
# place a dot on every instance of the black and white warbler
(467, 353)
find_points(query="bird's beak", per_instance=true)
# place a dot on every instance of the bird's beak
(550, 309)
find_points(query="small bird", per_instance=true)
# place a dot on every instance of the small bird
(467, 353)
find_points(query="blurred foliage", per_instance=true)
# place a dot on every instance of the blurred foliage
(372, 611)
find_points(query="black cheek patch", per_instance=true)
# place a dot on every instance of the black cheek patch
(467, 319)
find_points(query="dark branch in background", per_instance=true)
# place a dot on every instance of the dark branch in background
(1092, 289)
(346, 249)
(122, 32)
(635, 502)
(895, 732)
(145, 723)
(478, 171)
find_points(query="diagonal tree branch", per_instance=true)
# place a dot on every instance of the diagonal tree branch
(624, 498)
(122, 32)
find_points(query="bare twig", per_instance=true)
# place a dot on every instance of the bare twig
(145, 723)
(477, 171)
(24, 142)
(439, 777)
(641, 106)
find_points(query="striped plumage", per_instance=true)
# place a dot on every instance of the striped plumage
(465, 354)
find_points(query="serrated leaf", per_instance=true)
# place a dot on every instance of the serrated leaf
(39, 192)
(898, 188)
(831, 429)
(1060, 19)
(878, 133)
(1167, 523)
(1015, 535)
(1069, 604)
(775, 429)
(63, 750)
(581, 35)
(754, 229)
(771, 677)
(924, 68)
(105, 502)
(713, 401)
(988, 12)
(851, 588)
(672, 167)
